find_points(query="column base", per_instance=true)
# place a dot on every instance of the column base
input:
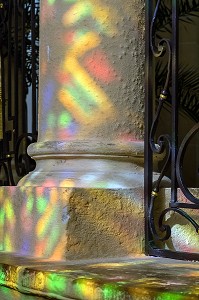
(86, 164)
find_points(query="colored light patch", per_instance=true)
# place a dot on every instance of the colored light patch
(70, 104)
(53, 239)
(100, 14)
(56, 283)
(39, 191)
(71, 36)
(64, 119)
(67, 183)
(63, 77)
(77, 12)
(79, 98)
(2, 216)
(77, 71)
(103, 16)
(49, 183)
(51, 2)
(48, 94)
(58, 249)
(40, 248)
(41, 204)
(67, 133)
(39, 281)
(51, 120)
(64, 134)
(128, 138)
(29, 204)
(76, 98)
(85, 288)
(72, 129)
(45, 221)
(8, 243)
(27, 221)
(6, 291)
(101, 184)
(54, 196)
(25, 246)
(109, 291)
(170, 296)
(2, 275)
(43, 67)
(97, 64)
(9, 210)
(86, 92)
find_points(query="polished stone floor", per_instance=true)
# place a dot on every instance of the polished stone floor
(142, 278)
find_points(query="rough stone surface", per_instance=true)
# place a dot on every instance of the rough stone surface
(72, 223)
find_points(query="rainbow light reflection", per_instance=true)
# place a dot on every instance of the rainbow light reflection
(78, 82)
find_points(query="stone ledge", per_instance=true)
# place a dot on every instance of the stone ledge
(144, 278)
(10, 294)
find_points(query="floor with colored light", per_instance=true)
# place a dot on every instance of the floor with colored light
(145, 278)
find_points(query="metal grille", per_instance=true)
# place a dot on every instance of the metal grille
(171, 87)
(19, 54)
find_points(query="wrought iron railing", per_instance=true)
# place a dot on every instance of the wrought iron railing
(164, 91)
(19, 55)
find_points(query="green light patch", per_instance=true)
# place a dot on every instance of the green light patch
(51, 2)
(64, 119)
(2, 216)
(56, 283)
(29, 204)
(170, 296)
(41, 204)
(111, 291)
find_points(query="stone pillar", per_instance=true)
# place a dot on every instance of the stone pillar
(91, 95)
(87, 188)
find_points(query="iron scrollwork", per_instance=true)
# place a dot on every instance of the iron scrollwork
(159, 230)
(23, 163)
(19, 65)
(179, 164)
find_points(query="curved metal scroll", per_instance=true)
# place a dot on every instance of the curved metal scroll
(23, 163)
(5, 165)
(179, 164)
(163, 143)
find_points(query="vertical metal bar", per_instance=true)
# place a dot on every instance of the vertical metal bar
(3, 151)
(16, 70)
(23, 68)
(33, 37)
(1, 104)
(174, 99)
(9, 63)
(148, 121)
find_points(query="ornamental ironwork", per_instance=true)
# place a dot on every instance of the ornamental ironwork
(172, 99)
(19, 64)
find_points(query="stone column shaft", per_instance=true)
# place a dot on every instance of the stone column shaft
(90, 95)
